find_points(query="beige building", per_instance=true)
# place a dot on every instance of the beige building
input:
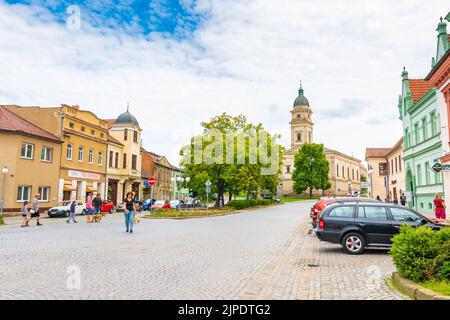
(83, 154)
(32, 156)
(344, 170)
(386, 172)
(124, 157)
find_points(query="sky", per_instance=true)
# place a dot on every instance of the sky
(180, 62)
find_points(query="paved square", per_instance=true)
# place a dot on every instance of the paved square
(263, 254)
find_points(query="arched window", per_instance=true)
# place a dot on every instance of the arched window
(299, 137)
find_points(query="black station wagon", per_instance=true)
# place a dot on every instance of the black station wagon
(357, 226)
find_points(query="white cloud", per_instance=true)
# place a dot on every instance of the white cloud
(248, 57)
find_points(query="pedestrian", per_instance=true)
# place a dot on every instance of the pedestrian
(130, 209)
(97, 203)
(403, 199)
(379, 198)
(34, 211)
(72, 212)
(25, 215)
(89, 208)
(439, 207)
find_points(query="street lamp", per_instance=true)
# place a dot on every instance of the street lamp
(5, 171)
(369, 173)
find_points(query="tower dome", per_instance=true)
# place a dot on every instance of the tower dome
(301, 99)
(127, 118)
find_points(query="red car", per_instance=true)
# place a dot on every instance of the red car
(107, 207)
(324, 202)
(161, 204)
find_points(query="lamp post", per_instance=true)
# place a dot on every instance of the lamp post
(5, 171)
(370, 172)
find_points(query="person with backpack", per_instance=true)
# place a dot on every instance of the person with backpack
(72, 212)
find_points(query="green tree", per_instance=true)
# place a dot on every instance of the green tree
(311, 169)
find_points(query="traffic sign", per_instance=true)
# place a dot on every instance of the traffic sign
(437, 167)
(152, 181)
(208, 183)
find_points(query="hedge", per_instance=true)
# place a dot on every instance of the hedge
(421, 254)
(241, 204)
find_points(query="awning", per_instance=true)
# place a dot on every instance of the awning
(90, 189)
(69, 188)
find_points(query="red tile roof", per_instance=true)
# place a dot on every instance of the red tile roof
(9, 121)
(418, 88)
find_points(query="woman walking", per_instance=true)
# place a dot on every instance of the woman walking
(130, 209)
(89, 208)
(439, 207)
(25, 215)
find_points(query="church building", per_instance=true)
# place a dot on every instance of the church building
(344, 173)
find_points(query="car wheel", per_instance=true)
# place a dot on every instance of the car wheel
(67, 214)
(111, 211)
(83, 212)
(353, 243)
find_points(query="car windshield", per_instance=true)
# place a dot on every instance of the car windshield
(63, 204)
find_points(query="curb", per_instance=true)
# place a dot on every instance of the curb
(414, 290)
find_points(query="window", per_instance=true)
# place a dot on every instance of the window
(111, 156)
(23, 193)
(288, 169)
(299, 137)
(419, 175)
(27, 151)
(83, 129)
(69, 151)
(100, 158)
(343, 172)
(348, 173)
(424, 129)
(91, 156)
(298, 115)
(372, 213)
(416, 133)
(337, 170)
(392, 166)
(396, 164)
(125, 134)
(134, 162)
(124, 160)
(437, 176)
(46, 154)
(102, 135)
(80, 153)
(406, 138)
(427, 173)
(93, 132)
(342, 212)
(353, 174)
(45, 193)
(135, 136)
(357, 175)
(399, 214)
(71, 125)
(433, 123)
(116, 162)
(400, 163)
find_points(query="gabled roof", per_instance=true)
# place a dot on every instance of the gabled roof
(10, 121)
(377, 152)
(418, 88)
(114, 140)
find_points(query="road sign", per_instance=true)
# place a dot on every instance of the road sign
(437, 167)
(152, 181)
(364, 185)
(146, 184)
(446, 167)
(208, 183)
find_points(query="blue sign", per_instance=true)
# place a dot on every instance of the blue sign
(146, 184)
(385, 181)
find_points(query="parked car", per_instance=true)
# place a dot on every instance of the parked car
(319, 206)
(193, 203)
(359, 225)
(147, 204)
(176, 204)
(63, 209)
(161, 204)
(139, 206)
(107, 207)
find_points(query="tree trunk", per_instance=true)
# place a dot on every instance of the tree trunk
(310, 193)
(230, 195)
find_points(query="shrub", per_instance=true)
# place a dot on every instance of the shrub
(1, 220)
(241, 204)
(421, 254)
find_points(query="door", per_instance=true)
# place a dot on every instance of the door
(112, 190)
(374, 222)
(401, 217)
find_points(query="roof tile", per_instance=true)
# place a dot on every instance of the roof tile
(418, 88)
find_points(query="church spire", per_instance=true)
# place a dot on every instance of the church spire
(301, 99)
(301, 92)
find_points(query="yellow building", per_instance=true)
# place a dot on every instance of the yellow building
(124, 157)
(32, 156)
(344, 170)
(83, 155)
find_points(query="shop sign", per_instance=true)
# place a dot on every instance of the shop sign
(83, 175)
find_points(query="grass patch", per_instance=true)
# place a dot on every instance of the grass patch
(188, 213)
(441, 287)
(293, 199)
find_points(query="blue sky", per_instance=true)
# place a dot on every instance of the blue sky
(181, 62)
(172, 18)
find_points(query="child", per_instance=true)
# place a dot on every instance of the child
(25, 215)
(72, 212)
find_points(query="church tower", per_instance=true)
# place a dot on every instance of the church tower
(301, 123)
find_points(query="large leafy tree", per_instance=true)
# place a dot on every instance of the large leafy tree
(227, 177)
(311, 169)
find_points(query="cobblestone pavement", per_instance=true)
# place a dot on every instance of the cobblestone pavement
(263, 254)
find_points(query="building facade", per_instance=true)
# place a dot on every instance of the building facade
(344, 170)
(386, 178)
(32, 156)
(124, 158)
